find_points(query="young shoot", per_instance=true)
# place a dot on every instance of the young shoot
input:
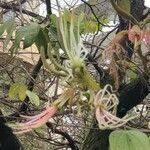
(69, 26)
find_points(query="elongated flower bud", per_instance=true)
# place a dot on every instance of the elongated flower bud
(33, 122)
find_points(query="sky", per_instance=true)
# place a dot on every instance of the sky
(147, 3)
(62, 3)
(71, 2)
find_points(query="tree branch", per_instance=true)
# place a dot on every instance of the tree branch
(48, 7)
(72, 143)
(16, 8)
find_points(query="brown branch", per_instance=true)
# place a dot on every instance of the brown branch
(94, 14)
(34, 75)
(16, 8)
(72, 143)
(104, 40)
(48, 7)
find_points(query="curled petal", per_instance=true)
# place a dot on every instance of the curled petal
(99, 116)
(105, 103)
(105, 98)
(106, 120)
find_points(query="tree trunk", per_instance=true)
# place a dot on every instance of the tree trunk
(96, 139)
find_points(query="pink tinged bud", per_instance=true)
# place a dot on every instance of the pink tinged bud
(35, 121)
(135, 34)
(48, 113)
(36, 116)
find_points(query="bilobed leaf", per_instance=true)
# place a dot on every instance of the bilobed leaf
(90, 26)
(31, 36)
(124, 5)
(128, 140)
(17, 90)
(28, 34)
(34, 99)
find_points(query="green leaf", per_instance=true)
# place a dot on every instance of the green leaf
(28, 34)
(31, 36)
(90, 26)
(124, 5)
(53, 27)
(17, 90)
(34, 99)
(53, 19)
(128, 140)
(42, 39)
